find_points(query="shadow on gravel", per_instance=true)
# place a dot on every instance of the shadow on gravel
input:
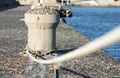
(6, 8)
(61, 52)
(74, 72)
(8, 4)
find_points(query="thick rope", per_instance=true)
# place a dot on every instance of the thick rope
(106, 40)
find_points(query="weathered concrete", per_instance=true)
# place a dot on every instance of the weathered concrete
(42, 29)
(13, 38)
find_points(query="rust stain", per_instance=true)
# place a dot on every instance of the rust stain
(38, 22)
(38, 18)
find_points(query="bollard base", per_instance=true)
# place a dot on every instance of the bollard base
(49, 55)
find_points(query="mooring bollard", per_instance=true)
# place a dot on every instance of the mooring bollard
(42, 23)
(42, 20)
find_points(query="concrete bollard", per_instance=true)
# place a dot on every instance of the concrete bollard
(42, 22)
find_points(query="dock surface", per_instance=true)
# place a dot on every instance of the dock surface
(13, 39)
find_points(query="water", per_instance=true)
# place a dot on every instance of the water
(94, 22)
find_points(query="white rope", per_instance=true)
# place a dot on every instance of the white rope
(102, 42)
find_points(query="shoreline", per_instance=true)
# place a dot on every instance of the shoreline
(72, 5)
(93, 6)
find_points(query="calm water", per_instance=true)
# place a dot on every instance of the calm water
(94, 22)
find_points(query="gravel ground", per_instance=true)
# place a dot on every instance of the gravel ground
(13, 39)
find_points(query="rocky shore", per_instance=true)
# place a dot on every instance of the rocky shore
(13, 39)
(92, 5)
(96, 3)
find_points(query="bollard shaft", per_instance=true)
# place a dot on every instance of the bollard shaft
(42, 29)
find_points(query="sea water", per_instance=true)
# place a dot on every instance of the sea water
(96, 21)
